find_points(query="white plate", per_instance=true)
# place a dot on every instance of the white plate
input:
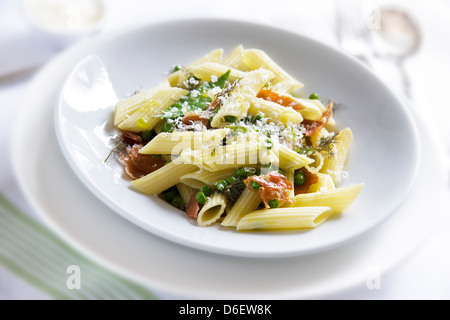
(89, 225)
(383, 156)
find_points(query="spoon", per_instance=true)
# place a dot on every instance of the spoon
(397, 39)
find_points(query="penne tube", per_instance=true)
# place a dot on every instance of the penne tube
(234, 59)
(285, 218)
(141, 112)
(233, 155)
(212, 210)
(206, 70)
(177, 78)
(186, 192)
(325, 183)
(201, 178)
(312, 109)
(162, 179)
(289, 159)
(334, 166)
(289, 174)
(274, 111)
(338, 199)
(255, 59)
(247, 202)
(175, 142)
(235, 105)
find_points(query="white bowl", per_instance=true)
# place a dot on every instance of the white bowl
(384, 155)
(61, 23)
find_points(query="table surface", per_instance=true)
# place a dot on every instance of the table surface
(423, 275)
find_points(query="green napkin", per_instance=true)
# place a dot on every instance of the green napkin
(39, 256)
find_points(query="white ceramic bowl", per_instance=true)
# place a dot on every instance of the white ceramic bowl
(61, 23)
(384, 154)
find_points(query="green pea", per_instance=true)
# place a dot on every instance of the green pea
(240, 172)
(200, 197)
(258, 117)
(207, 190)
(169, 195)
(314, 96)
(231, 180)
(255, 185)
(230, 118)
(250, 172)
(221, 185)
(148, 135)
(177, 201)
(273, 203)
(299, 179)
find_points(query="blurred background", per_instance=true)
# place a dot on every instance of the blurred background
(404, 42)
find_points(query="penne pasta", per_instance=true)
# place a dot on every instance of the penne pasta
(234, 59)
(334, 166)
(207, 70)
(338, 199)
(141, 112)
(227, 140)
(212, 210)
(285, 218)
(246, 203)
(203, 177)
(177, 78)
(186, 192)
(275, 111)
(175, 142)
(255, 59)
(235, 105)
(167, 176)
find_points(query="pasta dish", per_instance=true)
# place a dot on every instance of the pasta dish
(229, 141)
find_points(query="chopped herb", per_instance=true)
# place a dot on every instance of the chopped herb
(176, 68)
(222, 80)
(119, 147)
(233, 191)
(326, 144)
(230, 119)
(167, 127)
(196, 99)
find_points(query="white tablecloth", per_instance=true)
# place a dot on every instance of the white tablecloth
(425, 275)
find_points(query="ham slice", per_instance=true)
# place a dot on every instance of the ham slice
(193, 207)
(137, 165)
